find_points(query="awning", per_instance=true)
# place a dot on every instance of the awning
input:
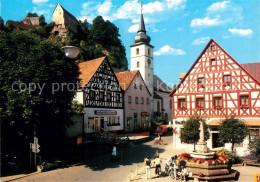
(248, 122)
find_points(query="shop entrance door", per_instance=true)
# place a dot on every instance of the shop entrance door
(102, 123)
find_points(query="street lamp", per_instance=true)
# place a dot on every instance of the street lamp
(71, 52)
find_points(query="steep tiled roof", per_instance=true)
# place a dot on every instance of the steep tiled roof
(126, 78)
(88, 69)
(197, 60)
(159, 85)
(253, 69)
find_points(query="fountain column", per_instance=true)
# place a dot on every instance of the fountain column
(202, 145)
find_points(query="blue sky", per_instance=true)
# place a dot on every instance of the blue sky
(179, 29)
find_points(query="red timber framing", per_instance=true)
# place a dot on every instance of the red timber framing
(213, 65)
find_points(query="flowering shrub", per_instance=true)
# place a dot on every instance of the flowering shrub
(217, 159)
(200, 175)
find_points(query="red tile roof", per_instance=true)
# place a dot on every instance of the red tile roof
(253, 69)
(88, 69)
(126, 78)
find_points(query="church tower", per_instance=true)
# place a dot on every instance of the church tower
(142, 55)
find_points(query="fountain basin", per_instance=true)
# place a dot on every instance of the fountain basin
(207, 169)
(201, 155)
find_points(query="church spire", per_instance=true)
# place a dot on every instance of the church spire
(141, 37)
(141, 24)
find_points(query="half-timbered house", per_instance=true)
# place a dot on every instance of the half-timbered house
(216, 86)
(137, 105)
(101, 96)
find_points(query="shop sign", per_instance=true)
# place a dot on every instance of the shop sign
(105, 112)
(144, 114)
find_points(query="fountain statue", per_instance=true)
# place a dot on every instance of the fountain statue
(202, 149)
(203, 162)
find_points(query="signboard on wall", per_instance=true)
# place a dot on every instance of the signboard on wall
(144, 114)
(105, 112)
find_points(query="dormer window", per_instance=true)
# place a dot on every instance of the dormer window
(212, 48)
(137, 51)
(137, 64)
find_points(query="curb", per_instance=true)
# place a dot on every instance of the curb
(26, 175)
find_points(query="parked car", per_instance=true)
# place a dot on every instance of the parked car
(161, 129)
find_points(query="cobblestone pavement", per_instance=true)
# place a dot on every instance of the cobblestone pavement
(101, 168)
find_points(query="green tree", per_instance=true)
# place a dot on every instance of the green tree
(27, 62)
(106, 34)
(32, 15)
(232, 131)
(1, 24)
(42, 20)
(191, 131)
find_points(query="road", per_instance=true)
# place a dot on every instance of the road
(102, 169)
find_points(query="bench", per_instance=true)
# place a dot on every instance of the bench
(211, 178)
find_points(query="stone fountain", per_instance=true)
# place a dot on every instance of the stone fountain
(205, 162)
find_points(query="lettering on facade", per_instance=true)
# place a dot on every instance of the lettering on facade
(105, 112)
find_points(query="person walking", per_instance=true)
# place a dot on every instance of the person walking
(113, 153)
(158, 165)
(147, 163)
(168, 164)
(175, 166)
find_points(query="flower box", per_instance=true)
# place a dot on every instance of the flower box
(201, 85)
(182, 108)
(244, 106)
(218, 107)
(226, 83)
(200, 107)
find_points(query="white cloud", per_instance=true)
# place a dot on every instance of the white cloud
(133, 28)
(218, 6)
(219, 13)
(128, 10)
(241, 32)
(40, 11)
(152, 7)
(176, 4)
(39, 1)
(168, 50)
(205, 22)
(179, 29)
(104, 8)
(51, 5)
(202, 40)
